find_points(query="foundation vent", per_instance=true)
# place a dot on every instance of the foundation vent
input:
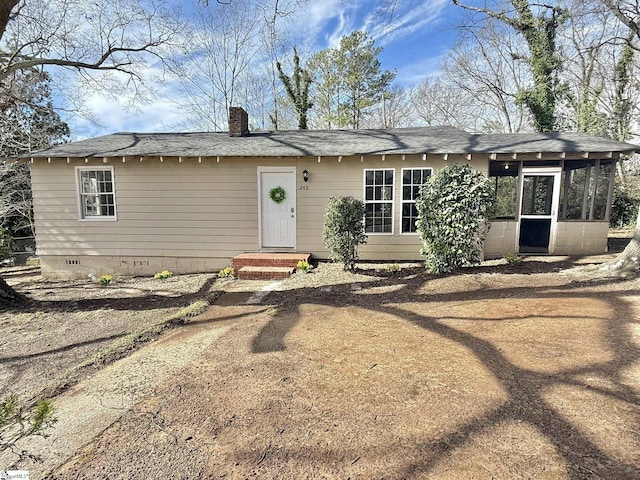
(74, 261)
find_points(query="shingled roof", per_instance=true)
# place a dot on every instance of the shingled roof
(419, 140)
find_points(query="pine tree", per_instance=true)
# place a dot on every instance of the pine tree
(350, 80)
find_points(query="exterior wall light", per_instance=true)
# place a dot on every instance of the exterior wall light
(305, 175)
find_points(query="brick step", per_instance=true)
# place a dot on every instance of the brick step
(264, 273)
(269, 260)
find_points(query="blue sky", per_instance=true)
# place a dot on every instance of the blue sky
(414, 39)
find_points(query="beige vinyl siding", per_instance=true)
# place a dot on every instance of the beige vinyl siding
(333, 178)
(164, 209)
(169, 212)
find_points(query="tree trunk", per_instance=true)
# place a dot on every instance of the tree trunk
(628, 262)
(5, 14)
(8, 296)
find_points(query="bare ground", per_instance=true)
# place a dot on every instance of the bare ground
(531, 371)
(69, 329)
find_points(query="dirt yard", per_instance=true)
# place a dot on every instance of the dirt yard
(530, 371)
(71, 328)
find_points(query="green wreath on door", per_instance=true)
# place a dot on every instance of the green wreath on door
(277, 194)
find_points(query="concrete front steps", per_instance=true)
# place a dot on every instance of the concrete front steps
(267, 266)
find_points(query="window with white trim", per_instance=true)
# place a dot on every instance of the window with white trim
(412, 181)
(378, 199)
(97, 193)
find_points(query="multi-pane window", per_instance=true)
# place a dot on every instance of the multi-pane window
(378, 199)
(97, 193)
(412, 181)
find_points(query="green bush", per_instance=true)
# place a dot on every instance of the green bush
(105, 279)
(344, 229)
(512, 258)
(624, 209)
(304, 266)
(452, 217)
(163, 275)
(228, 272)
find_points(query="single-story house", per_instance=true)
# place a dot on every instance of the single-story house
(132, 203)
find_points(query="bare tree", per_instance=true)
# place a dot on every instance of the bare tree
(395, 110)
(628, 12)
(478, 85)
(82, 36)
(484, 64)
(276, 41)
(223, 42)
(437, 101)
(537, 23)
(587, 62)
(113, 35)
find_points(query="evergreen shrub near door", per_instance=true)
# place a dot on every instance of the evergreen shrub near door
(344, 229)
(452, 217)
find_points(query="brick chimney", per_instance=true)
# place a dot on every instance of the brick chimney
(238, 122)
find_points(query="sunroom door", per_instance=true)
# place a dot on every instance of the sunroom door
(538, 215)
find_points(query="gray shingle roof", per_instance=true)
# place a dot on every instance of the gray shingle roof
(331, 143)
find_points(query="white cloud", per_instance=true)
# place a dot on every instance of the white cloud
(328, 21)
(407, 20)
(114, 117)
(322, 24)
(117, 109)
(413, 73)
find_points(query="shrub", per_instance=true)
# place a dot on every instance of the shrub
(512, 258)
(163, 275)
(344, 229)
(105, 279)
(624, 209)
(303, 266)
(452, 214)
(393, 268)
(5, 244)
(228, 272)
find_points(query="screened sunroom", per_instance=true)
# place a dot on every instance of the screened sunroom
(550, 206)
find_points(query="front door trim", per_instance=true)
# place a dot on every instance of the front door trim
(292, 196)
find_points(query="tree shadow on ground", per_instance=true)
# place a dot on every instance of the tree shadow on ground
(65, 348)
(147, 301)
(525, 387)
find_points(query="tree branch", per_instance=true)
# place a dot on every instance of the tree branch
(631, 22)
(6, 7)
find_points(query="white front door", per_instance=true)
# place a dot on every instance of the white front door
(277, 219)
(538, 215)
